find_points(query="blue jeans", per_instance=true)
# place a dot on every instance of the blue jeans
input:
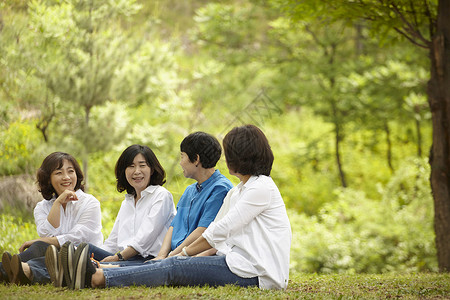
(100, 254)
(39, 270)
(178, 271)
(39, 273)
(130, 262)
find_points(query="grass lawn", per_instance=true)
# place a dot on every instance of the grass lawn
(408, 286)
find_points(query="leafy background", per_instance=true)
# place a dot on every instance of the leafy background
(345, 113)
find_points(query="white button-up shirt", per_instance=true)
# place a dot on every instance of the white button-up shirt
(144, 225)
(79, 222)
(255, 234)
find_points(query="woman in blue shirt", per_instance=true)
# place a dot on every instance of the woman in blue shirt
(200, 202)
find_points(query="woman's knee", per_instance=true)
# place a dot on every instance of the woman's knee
(39, 246)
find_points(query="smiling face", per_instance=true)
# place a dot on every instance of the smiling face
(138, 174)
(64, 178)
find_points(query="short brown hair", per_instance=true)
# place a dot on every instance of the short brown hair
(51, 163)
(247, 151)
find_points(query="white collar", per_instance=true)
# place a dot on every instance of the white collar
(148, 190)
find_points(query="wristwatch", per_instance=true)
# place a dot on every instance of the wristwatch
(119, 255)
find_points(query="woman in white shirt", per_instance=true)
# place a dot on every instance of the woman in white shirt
(65, 214)
(145, 214)
(253, 239)
(143, 219)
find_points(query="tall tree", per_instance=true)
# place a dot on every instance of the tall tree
(425, 24)
(318, 56)
(77, 47)
(389, 91)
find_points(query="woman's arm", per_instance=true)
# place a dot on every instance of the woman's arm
(166, 245)
(254, 201)
(200, 245)
(43, 226)
(197, 233)
(126, 253)
(54, 214)
(209, 252)
(48, 240)
(88, 226)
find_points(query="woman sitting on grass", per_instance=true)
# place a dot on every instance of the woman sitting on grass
(145, 214)
(252, 240)
(143, 219)
(65, 214)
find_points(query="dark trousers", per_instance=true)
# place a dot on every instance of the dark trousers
(37, 249)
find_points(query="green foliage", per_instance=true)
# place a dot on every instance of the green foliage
(407, 17)
(17, 148)
(302, 167)
(79, 60)
(387, 90)
(359, 235)
(96, 77)
(15, 230)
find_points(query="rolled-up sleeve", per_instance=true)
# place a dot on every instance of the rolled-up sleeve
(43, 226)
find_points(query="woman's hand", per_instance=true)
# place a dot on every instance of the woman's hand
(49, 240)
(54, 214)
(209, 252)
(26, 245)
(66, 197)
(110, 258)
(159, 257)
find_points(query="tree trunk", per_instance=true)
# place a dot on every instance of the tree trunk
(389, 146)
(439, 101)
(338, 155)
(337, 140)
(85, 153)
(419, 138)
(359, 44)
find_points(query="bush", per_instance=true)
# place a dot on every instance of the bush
(17, 148)
(359, 235)
(15, 230)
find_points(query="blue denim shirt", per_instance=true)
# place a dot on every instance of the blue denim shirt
(198, 206)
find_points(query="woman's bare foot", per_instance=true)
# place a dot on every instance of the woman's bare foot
(26, 270)
(98, 279)
(107, 266)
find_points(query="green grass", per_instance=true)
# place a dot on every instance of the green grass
(310, 286)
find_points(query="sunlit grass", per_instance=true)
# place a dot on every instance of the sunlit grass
(307, 286)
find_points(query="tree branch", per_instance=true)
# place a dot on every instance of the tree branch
(409, 38)
(431, 20)
(409, 28)
(314, 36)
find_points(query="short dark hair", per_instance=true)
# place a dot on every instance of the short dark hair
(126, 159)
(247, 151)
(51, 163)
(205, 146)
